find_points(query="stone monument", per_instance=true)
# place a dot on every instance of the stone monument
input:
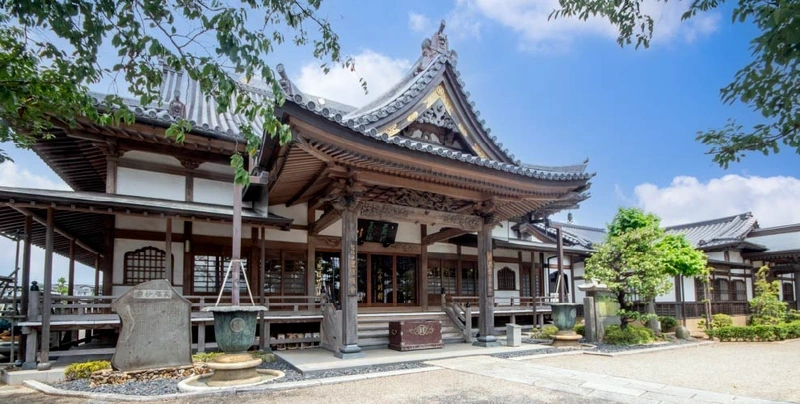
(156, 328)
(602, 310)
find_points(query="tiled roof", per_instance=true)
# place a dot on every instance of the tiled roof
(783, 238)
(717, 233)
(203, 113)
(583, 236)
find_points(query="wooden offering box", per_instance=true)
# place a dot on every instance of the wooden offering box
(412, 335)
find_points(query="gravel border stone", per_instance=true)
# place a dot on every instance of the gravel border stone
(158, 387)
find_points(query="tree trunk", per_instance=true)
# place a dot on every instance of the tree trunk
(653, 322)
(624, 304)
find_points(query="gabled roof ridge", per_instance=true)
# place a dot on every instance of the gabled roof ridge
(577, 226)
(782, 229)
(743, 216)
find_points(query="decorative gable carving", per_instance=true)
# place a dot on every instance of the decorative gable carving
(436, 126)
(437, 115)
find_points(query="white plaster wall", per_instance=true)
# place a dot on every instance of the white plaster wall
(157, 224)
(749, 285)
(669, 296)
(216, 168)
(408, 233)
(443, 248)
(503, 231)
(578, 269)
(297, 212)
(291, 236)
(150, 184)
(735, 256)
(716, 255)
(214, 192)
(215, 229)
(688, 289)
(469, 251)
(333, 230)
(121, 246)
(151, 158)
(497, 252)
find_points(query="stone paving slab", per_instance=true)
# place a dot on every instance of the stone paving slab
(587, 384)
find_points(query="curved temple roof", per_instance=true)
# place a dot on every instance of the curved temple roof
(436, 66)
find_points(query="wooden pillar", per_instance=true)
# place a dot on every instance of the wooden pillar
(47, 301)
(237, 244)
(486, 336)
(188, 258)
(311, 260)
(560, 260)
(264, 332)
(168, 250)
(349, 284)
(97, 275)
(108, 257)
(71, 284)
(26, 261)
(111, 175)
(796, 290)
(423, 268)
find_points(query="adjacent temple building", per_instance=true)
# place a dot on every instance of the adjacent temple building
(406, 207)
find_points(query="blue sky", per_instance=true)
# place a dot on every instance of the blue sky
(556, 93)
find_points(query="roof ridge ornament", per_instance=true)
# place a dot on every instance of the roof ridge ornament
(434, 46)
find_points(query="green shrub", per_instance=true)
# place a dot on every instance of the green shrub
(264, 356)
(667, 322)
(792, 316)
(631, 335)
(205, 356)
(718, 321)
(762, 332)
(85, 369)
(549, 330)
(580, 329)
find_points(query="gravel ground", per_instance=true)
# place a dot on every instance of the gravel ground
(606, 348)
(167, 386)
(766, 370)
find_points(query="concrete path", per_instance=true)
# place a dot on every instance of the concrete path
(586, 384)
(321, 360)
(768, 370)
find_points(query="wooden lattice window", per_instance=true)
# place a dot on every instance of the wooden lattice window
(721, 290)
(506, 280)
(144, 264)
(788, 292)
(739, 291)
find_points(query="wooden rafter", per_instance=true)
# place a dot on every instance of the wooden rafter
(326, 220)
(442, 235)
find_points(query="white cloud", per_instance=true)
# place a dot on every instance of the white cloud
(529, 18)
(773, 200)
(419, 22)
(380, 72)
(12, 175)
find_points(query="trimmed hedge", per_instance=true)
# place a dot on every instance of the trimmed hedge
(757, 332)
(631, 335)
(580, 329)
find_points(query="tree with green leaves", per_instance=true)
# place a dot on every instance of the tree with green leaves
(638, 259)
(769, 84)
(52, 52)
(61, 286)
(766, 304)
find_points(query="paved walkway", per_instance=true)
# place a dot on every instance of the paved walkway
(586, 384)
(320, 360)
(768, 370)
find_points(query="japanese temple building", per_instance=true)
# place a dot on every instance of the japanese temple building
(405, 206)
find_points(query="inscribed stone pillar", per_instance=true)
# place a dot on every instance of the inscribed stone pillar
(348, 289)
(486, 336)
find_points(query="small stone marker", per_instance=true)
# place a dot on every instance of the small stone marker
(513, 335)
(156, 328)
(682, 333)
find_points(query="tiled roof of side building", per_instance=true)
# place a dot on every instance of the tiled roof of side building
(718, 233)
(780, 238)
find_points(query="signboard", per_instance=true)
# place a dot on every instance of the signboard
(375, 231)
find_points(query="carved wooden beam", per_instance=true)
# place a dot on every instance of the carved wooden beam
(442, 235)
(328, 218)
(386, 212)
